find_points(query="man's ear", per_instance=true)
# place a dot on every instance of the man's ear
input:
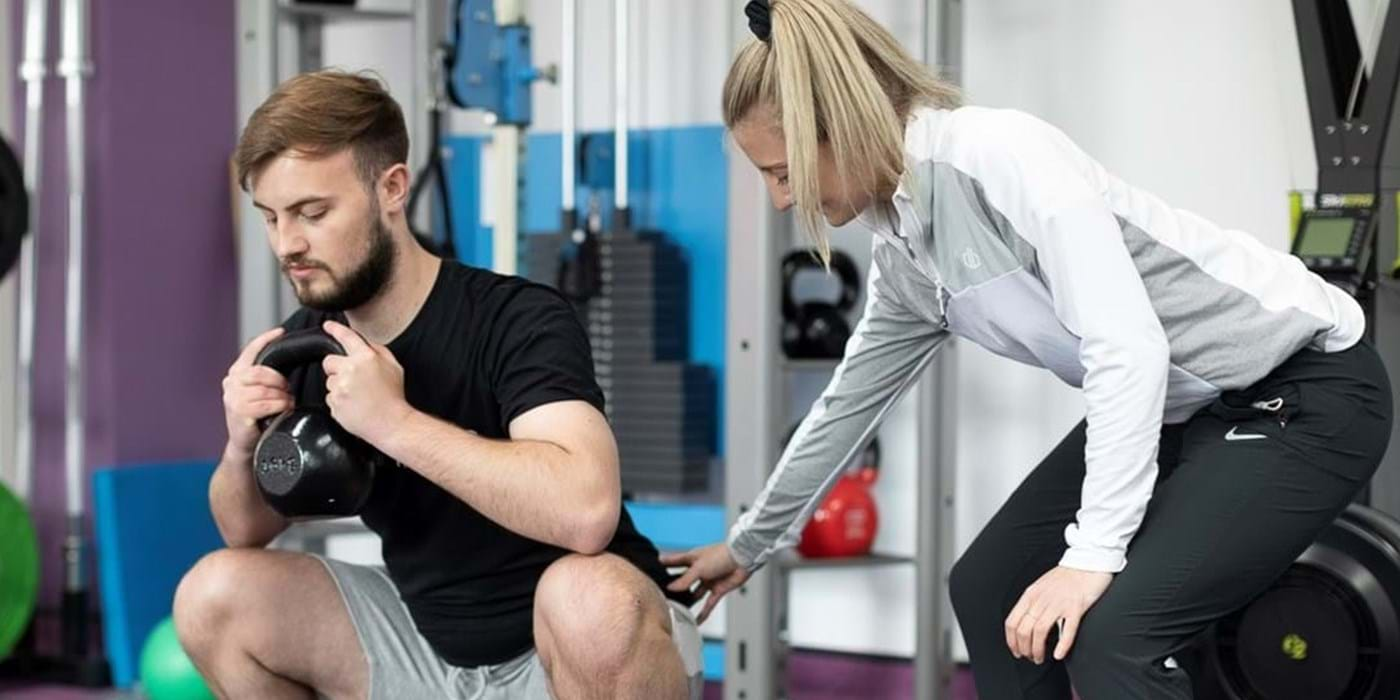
(393, 189)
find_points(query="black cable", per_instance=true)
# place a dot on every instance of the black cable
(447, 247)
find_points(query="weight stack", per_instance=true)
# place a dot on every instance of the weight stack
(660, 406)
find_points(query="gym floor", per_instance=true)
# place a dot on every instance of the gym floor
(811, 677)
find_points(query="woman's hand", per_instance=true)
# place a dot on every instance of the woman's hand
(1061, 594)
(713, 567)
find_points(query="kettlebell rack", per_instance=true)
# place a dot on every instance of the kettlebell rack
(757, 380)
(757, 374)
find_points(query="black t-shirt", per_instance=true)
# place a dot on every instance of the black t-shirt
(484, 349)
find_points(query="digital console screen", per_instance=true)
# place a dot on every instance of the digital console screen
(1326, 237)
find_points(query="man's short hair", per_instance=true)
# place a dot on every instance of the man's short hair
(320, 114)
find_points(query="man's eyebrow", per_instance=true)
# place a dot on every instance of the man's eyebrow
(294, 206)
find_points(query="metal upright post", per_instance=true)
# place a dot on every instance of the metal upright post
(429, 22)
(32, 71)
(751, 404)
(756, 234)
(75, 66)
(934, 540)
(508, 157)
(937, 447)
(258, 279)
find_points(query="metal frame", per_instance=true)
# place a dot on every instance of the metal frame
(75, 65)
(9, 310)
(568, 114)
(1357, 156)
(1349, 150)
(277, 40)
(755, 627)
(507, 159)
(622, 41)
(753, 662)
(935, 549)
(32, 71)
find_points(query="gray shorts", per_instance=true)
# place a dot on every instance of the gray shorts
(402, 665)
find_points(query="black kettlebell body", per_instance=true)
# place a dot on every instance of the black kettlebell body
(306, 465)
(14, 209)
(817, 329)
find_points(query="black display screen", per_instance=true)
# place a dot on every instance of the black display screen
(1326, 236)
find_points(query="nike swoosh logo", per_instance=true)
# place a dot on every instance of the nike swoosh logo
(1233, 436)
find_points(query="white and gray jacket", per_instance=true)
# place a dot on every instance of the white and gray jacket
(1005, 233)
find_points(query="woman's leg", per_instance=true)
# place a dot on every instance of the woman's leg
(1253, 489)
(1024, 540)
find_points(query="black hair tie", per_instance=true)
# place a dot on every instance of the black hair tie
(759, 21)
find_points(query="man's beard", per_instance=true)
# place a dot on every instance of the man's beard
(360, 284)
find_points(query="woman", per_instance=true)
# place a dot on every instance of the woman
(1232, 409)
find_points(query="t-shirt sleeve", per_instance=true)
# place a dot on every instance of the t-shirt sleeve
(544, 356)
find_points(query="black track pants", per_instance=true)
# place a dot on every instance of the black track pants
(1243, 488)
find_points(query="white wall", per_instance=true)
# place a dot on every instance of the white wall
(375, 46)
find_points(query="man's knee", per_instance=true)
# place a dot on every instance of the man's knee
(595, 611)
(227, 591)
(207, 599)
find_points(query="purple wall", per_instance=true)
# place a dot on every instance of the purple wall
(161, 318)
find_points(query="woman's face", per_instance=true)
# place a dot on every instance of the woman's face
(760, 136)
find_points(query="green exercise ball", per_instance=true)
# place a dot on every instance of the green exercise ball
(19, 570)
(166, 671)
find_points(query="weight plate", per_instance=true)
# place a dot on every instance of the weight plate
(19, 570)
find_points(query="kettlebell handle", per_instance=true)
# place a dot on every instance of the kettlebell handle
(292, 350)
(297, 349)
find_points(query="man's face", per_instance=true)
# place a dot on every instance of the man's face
(326, 229)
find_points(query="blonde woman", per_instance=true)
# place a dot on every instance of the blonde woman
(1232, 408)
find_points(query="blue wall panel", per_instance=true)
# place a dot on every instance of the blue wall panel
(678, 186)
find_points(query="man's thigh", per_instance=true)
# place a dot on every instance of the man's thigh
(401, 662)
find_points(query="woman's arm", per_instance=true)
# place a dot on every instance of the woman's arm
(883, 358)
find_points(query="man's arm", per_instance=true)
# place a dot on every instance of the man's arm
(556, 480)
(250, 392)
(243, 517)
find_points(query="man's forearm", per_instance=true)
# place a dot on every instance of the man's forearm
(535, 489)
(243, 517)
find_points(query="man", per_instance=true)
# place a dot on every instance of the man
(512, 569)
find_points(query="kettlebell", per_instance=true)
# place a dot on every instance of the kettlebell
(846, 522)
(14, 209)
(816, 329)
(305, 464)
